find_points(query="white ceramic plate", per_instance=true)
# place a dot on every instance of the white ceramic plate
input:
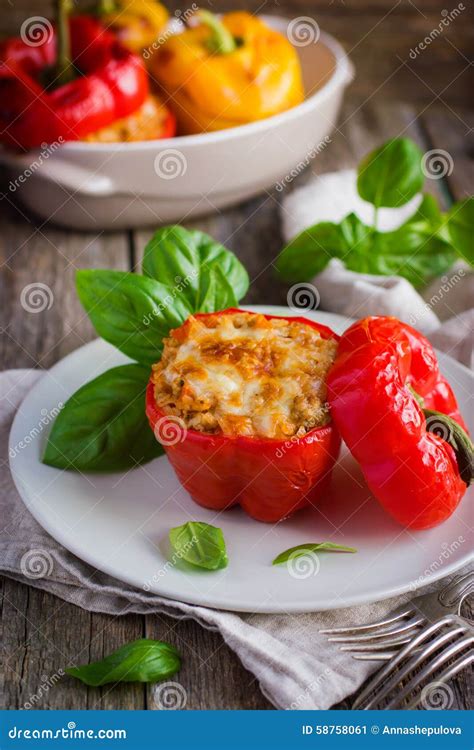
(119, 522)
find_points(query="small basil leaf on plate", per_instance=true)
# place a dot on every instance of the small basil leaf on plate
(303, 549)
(199, 544)
(103, 426)
(391, 175)
(461, 228)
(131, 312)
(140, 661)
(180, 257)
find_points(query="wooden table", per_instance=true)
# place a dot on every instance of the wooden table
(40, 632)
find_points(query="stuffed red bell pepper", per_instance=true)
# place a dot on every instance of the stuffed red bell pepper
(399, 417)
(239, 402)
(106, 83)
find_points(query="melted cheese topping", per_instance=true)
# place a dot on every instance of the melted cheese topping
(241, 374)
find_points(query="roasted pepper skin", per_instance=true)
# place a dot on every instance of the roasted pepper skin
(269, 479)
(113, 84)
(137, 23)
(412, 472)
(212, 91)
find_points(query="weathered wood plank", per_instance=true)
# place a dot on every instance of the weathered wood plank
(44, 634)
(42, 317)
(41, 633)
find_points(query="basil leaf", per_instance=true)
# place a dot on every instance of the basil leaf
(176, 255)
(415, 251)
(419, 250)
(428, 211)
(215, 293)
(412, 251)
(311, 250)
(303, 549)
(140, 661)
(356, 243)
(461, 228)
(199, 544)
(103, 426)
(131, 312)
(391, 175)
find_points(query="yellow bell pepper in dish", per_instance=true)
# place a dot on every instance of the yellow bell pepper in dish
(226, 72)
(137, 23)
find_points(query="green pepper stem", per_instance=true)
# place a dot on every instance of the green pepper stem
(452, 432)
(221, 40)
(106, 7)
(64, 68)
(420, 401)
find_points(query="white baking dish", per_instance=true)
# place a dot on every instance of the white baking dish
(115, 186)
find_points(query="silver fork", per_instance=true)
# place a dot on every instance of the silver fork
(380, 641)
(450, 638)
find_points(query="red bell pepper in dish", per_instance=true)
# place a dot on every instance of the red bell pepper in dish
(399, 417)
(111, 83)
(269, 478)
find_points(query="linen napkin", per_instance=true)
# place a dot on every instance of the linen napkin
(330, 197)
(295, 665)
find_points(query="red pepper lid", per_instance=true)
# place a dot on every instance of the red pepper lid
(400, 420)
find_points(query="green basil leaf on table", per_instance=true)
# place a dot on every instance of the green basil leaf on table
(199, 544)
(103, 426)
(143, 660)
(132, 312)
(176, 255)
(303, 549)
(461, 228)
(391, 175)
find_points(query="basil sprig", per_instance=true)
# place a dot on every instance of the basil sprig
(425, 246)
(302, 549)
(140, 661)
(103, 426)
(199, 544)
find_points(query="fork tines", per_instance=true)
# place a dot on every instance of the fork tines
(450, 638)
(373, 641)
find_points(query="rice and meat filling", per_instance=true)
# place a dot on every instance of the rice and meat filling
(244, 374)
